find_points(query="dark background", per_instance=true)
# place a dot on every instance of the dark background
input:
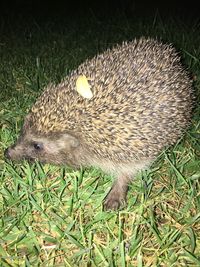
(60, 9)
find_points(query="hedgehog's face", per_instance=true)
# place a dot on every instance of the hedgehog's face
(56, 149)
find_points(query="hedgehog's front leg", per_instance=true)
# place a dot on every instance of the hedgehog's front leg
(117, 195)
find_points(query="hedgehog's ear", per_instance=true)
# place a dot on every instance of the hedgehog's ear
(70, 139)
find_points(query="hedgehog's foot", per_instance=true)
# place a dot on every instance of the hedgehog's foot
(116, 198)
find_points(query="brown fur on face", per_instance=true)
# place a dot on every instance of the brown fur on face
(60, 149)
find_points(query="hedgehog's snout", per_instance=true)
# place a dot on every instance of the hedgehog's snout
(7, 154)
(14, 153)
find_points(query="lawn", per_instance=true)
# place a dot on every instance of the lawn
(53, 216)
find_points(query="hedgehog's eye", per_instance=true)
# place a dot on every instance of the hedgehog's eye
(38, 146)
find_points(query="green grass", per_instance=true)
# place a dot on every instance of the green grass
(52, 216)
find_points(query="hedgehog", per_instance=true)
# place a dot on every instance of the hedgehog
(116, 111)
